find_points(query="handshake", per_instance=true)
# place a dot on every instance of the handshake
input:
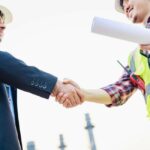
(68, 93)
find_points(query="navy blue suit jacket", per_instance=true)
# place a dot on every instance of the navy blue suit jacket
(17, 74)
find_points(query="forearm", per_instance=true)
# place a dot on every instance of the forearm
(97, 96)
(28, 78)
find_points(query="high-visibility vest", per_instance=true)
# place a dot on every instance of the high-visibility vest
(139, 65)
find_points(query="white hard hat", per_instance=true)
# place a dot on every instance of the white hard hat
(118, 7)
(7, 14)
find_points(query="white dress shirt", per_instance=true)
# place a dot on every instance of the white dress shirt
(9, 95)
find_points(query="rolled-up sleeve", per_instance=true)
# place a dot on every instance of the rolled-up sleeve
(121, 90)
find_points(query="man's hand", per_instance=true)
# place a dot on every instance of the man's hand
(78, 91)
(67, 94)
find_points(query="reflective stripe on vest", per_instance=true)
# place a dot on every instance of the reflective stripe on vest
(147, 96)
(147, 90)
(139, 64)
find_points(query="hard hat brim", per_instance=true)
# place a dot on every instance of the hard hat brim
(118, 7)
(7, 14)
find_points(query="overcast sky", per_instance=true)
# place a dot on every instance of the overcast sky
(55, 36)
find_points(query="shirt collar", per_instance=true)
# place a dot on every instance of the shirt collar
(145, 53)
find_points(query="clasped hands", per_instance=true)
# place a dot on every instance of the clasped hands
(68, 93)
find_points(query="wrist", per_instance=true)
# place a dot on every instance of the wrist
(86, 94)
(56, 88)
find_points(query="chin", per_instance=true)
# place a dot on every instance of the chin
(136, 20)
(1, 37)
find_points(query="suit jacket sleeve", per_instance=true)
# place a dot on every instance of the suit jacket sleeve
(28, 78)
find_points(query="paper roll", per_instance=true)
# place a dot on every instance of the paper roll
(124, 31)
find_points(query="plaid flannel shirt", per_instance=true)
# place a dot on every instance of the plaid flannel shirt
(121, 90)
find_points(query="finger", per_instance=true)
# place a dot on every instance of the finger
(59, 96)
(77, 99)
(81, 95)
(66, 80)
(62, 100)
(69, 81)
(71, 98)
(67, 103)
(52, 94)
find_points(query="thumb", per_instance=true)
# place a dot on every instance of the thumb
(66, 81)
(80, 94)
(69, 81)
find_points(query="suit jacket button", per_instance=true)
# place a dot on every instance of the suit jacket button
(32, 82)
(40, 86)
(36, 84)
(45, 86)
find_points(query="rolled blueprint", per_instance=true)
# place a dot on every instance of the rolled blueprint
(124, 31)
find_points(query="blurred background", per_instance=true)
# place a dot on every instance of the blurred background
(56, 37)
